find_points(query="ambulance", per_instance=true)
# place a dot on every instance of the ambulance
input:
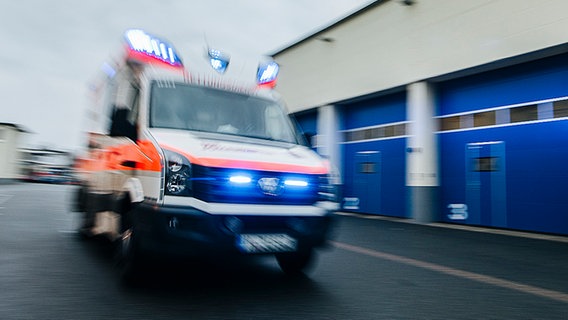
(199, 158)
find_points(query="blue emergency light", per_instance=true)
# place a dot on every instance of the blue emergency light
(295, 183)
(240, 179)
(148, 46)
(218, 60)
(267, 73)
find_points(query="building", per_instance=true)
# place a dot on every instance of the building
(441, 110)
(47, 165)
(10, 135)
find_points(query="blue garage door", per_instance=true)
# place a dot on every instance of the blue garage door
(503, 147)
(374, 164)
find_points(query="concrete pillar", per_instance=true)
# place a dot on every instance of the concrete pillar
(422, 164)
(328, 137)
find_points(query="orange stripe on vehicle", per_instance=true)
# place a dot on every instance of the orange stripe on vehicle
(250, 164)
(140, 156)
(260, 165)
(124, 157)
(151, 157)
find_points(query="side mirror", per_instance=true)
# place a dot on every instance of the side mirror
(120, 126)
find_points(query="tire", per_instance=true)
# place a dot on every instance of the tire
(84, 233)
(128, 255)
(295, 263)
(86, 216)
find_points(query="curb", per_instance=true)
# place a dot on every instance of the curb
(505, 232)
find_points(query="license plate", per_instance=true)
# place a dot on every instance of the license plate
(266, 243)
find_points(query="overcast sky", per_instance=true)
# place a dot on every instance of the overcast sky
(51, 49)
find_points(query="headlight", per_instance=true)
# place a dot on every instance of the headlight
(178, 174)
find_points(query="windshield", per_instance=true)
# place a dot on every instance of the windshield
(188, 107)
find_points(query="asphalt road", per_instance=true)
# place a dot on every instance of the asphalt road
(375, 269)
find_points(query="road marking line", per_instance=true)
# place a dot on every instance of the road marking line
(524, 288)
(67, 231)
(5, 197)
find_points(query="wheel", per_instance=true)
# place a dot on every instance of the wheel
(86, 215)
(79, 203)
(295, 263)
(86, 224)
(128, 256)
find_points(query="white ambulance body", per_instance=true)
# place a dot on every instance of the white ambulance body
(191, 161)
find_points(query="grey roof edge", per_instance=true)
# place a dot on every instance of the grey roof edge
(332, 24)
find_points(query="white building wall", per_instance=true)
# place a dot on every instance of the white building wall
(391, 45)
(8, 152)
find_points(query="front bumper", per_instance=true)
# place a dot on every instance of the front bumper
(187, 231)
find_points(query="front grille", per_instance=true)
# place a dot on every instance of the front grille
(213, 185)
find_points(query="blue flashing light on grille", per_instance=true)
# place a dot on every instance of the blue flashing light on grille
(295, 183)
(267, 74)
(239, 179)
(218, 60)
(151, 47)
(228, 185)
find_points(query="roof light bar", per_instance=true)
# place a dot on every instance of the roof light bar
(146, 46)
(267, 73)
(218, 60)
